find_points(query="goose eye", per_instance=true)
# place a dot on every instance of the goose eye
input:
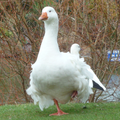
(49, 10)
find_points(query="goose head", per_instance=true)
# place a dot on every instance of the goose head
(48, 15)
(75, 48)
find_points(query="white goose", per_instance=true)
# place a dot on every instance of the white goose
(55, 77)
(94, 82)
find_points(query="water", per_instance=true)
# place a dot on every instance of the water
(113, 90)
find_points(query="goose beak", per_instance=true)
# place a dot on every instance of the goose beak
(43, 16)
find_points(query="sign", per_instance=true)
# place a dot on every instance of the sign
(115, 55)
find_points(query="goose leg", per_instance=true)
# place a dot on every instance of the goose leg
(59, 111)
(74, 94)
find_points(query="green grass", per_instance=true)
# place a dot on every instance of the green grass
(94, 111)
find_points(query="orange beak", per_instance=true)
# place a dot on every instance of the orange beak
(43, 16)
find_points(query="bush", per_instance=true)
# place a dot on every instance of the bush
(95, 25)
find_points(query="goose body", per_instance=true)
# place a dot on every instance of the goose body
(55, 77)
(94, 82)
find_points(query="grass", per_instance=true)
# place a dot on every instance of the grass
(94, 111)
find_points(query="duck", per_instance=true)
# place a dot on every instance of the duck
(55, 76)
(94, 81)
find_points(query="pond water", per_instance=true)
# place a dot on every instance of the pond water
(113, 90)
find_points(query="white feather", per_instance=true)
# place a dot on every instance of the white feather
(56, 75)
(86, 69)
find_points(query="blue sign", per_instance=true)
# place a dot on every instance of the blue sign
(115, 55)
